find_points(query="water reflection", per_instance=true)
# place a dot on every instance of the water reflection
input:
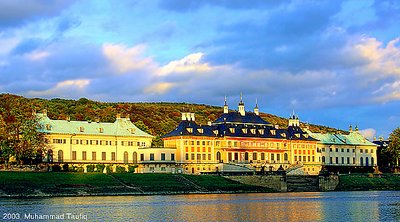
(335, 206)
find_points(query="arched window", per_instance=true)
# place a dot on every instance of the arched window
(246, 156)
(323, 159)
(134, 158)
(218, 156)
(285, 157)
(372, 161)
(366, 161)
(361, 161)
(125, 157)
(60, 156)
(49, 156)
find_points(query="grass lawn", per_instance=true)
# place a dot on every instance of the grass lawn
(27, 182)
(155, 182)
(364, 182)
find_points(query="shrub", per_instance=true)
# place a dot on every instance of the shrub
(109, 169)
(131, 168)
(120, 169)
(79, 169)
(56, 168)
(100, 168)
(65, 167)
(90, 168)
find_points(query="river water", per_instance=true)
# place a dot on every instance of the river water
(327, 206)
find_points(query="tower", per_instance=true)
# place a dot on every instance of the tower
(294, 120)
(241, 106)
(256, 111)
(226, 109)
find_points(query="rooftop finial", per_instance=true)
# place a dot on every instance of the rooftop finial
(241, 97)
(256, 103)
(225, 102)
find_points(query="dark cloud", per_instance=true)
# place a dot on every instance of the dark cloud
(18, 12)
(291, 38)
(27, 45)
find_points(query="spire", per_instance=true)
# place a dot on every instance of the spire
(350, 128)
(241, 105)
(226, 109)
(256, 111)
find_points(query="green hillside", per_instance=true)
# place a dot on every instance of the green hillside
(156, 118)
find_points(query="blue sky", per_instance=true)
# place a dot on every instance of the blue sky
(335, 63)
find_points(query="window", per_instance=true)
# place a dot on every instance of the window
(366, 150)
(141, 157)
(254, 156)
(187, 156)
(229, 156)
(192, 156)
(151, 156)
(372, 151)
(134, 157)
(163, 169)
(323, 149)
(173, 156)
(342, 150)
(185, 142)
(330, 160)
(336, 150)
(342, 160)
(83, 155)
(162, 156)
(125, 157)
(295, 158)
(348, 160)
(103, 156)
(93, 155)
(143, 144)
(198, 157)
(272, 157)
(198, 143)
(209, 156)
(60, 156)
(361, 161)
(203, 143)
(204, 157)
(337, 160)
(101, 130)
(113, 156)
(361, 150)
(81, 129)
(262, 156)
(73, 155)
(323, 159)
(348, 150)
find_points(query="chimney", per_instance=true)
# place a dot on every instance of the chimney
(192, 116)
(183, 116)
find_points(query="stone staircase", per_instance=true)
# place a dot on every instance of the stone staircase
(302, 183)
(187, 182)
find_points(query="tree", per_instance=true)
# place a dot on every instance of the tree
(394, 147)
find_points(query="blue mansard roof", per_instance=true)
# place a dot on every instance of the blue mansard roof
(236, 118)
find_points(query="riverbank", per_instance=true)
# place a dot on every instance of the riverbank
(61, 184)
(45, 184)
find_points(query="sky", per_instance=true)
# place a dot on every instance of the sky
(334, 63)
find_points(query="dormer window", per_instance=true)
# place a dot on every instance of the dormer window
(232, 130)
(283, 134)
(190, 130)
(81, 129)
(48, 127)
(200, 130)
(297, 135)
(132, 130)
(273, 132)
(215, 132)
(253, 131)
(101, 130)
(244, 131)
(306, 135)
(261, 131)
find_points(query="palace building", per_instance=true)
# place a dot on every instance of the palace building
(340, 152)
(240, 140)
(93, 142)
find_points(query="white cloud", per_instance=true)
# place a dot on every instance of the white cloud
(37, 55)
(66, 88)
(159, 88)
(383, 60)
(368, 133)
(191, 63)
(125, 59)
